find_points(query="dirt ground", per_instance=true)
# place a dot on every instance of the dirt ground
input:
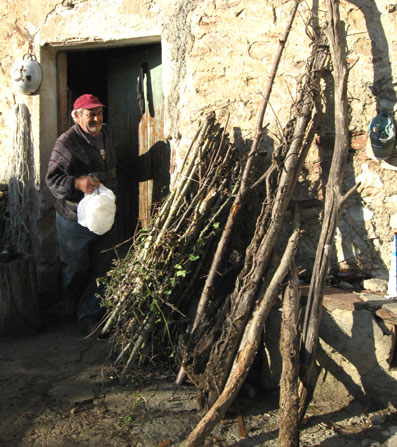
(58, 389)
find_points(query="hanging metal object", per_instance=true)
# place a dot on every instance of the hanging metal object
(27, 75)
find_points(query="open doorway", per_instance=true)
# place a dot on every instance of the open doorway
(129, 81)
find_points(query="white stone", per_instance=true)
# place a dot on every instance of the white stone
(367, 214)
(375, 285)
(393, 221)
(392, 442)
(390, 164)
(359, 213)
(369, 178)
(391, 199)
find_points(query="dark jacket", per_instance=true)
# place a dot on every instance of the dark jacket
(75, 156)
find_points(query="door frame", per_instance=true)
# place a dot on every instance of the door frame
(64, 120)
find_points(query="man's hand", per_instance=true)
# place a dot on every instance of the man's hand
(86, 184)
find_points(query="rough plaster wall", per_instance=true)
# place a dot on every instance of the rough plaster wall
(233, 44)
(372, 87)
(178, 40)
(218, 55)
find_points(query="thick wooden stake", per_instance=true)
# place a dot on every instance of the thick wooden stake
(289, 348)
(333, 202)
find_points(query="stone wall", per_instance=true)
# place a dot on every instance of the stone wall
(217, 56)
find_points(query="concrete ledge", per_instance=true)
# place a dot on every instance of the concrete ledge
(335, 298)
(355, 352)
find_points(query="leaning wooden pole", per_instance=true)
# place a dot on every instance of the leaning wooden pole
(333, 202)
(242, 192)
(289, 349)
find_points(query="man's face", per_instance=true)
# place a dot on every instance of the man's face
(91, 120)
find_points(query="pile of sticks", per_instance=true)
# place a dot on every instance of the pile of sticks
(235, 345)
(167, 261)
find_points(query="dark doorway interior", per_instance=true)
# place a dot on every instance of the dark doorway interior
(128, 80)
(87, 73)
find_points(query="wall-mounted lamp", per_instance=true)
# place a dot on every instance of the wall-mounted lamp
(27, 74)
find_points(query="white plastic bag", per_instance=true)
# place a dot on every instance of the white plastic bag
(96, 211)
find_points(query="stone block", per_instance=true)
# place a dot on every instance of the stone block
(375, 285)
(355, 349)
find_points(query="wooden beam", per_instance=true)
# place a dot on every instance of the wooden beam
(62, 88)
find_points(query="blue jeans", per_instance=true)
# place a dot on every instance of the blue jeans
(83, 261)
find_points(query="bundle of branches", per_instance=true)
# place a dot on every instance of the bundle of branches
(236, 332)
(226, 329)
(154, 282)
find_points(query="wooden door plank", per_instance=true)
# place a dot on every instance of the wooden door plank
(62, 81)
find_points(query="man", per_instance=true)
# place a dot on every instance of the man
(82, 157)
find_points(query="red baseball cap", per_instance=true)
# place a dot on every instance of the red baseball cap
(87, 101)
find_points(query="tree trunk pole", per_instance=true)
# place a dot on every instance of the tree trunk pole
(289, 348)
(333, 201)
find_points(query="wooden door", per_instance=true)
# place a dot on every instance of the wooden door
(135, 116)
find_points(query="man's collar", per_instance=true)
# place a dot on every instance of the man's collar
(87, 136)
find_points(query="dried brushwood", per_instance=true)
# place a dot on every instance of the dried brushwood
(167, 260)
